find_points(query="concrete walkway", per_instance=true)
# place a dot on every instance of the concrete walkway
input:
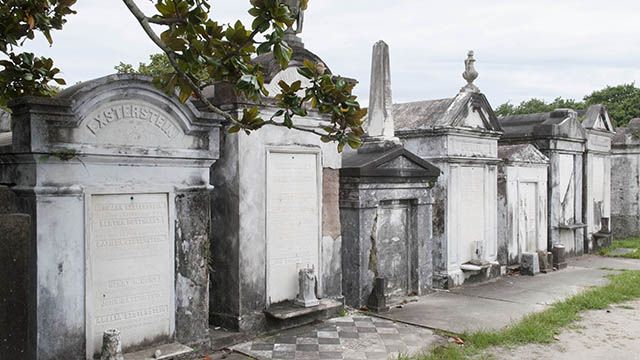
(496, 304)
(406, 329)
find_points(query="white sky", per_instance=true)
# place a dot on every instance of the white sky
(524, 48)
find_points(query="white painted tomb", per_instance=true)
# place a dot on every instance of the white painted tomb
(597, 171)
(115, 175)
(275, 201)
(459, 135)
(522, 202)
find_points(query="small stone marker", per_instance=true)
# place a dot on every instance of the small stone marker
(111, 345)
(546, 261)
(529, 264)
(307, 288)
(377, 301)
(559, 257)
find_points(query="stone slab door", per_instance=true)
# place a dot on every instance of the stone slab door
(393, 247)
(528, 218)
(293, 219)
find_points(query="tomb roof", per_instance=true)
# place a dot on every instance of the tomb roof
(446, 113)
(397, 162)
(629, 135)
(560, 123)
(521, 153)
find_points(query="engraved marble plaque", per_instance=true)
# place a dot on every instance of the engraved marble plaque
(292, 221)
(131, 267)
(472, 212)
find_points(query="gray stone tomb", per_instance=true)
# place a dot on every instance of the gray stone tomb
(385, 207)
(625, 180)
(115, 176)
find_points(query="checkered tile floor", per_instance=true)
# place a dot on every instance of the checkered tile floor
(356, 337)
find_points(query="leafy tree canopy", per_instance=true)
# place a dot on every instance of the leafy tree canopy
(622, 101)
(199, 51)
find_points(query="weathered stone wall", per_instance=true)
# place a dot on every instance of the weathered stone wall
(192, 265)
(625, 193)
(15, 290)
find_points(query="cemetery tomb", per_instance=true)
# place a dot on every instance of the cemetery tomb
(275, 204)
(459, 135)
(560, 136)
(522, 202)
(115, 176)
(597, 174)
(385, 206)
(625, 175)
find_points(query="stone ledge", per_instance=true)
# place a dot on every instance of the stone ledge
(287, 310)
(167, 351)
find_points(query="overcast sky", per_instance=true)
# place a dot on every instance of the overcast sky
(524, 48)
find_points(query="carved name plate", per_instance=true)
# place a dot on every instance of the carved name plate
(292, 221)
(131, 287)
(464, 146)
(136, 123)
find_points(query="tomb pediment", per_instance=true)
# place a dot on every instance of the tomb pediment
(117, 114)
(397, 162)
(596, 117)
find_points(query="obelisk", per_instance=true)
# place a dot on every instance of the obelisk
(379, 127)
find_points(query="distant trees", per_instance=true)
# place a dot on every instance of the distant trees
(622, 101)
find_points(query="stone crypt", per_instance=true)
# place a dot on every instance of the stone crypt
(460, 136)
(385, 206)
(275, 208)
(115, 176)
(559, 135)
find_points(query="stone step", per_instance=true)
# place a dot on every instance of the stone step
(160, 352)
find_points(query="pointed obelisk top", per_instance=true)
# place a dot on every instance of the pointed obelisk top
(380, 126)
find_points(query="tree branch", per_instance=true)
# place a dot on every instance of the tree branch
(166, 21)
(144, 22)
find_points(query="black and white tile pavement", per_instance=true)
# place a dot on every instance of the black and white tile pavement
(348, 338)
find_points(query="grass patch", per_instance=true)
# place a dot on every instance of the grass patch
(630, 243)
(542, 327)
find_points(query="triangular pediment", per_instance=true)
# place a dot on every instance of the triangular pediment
(476, 113)
(393, 163)
(401, 162)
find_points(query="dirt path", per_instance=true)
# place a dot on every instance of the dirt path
(601, 334)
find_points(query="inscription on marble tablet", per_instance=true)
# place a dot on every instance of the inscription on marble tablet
(131, 267)
(292, 221)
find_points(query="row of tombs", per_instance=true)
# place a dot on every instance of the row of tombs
(127, 209)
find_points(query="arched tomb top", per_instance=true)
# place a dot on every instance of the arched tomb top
(121, 114)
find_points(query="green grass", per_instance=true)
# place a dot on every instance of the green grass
(542, 327)
(630, 243)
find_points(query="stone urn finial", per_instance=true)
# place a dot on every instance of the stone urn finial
(470, 73)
